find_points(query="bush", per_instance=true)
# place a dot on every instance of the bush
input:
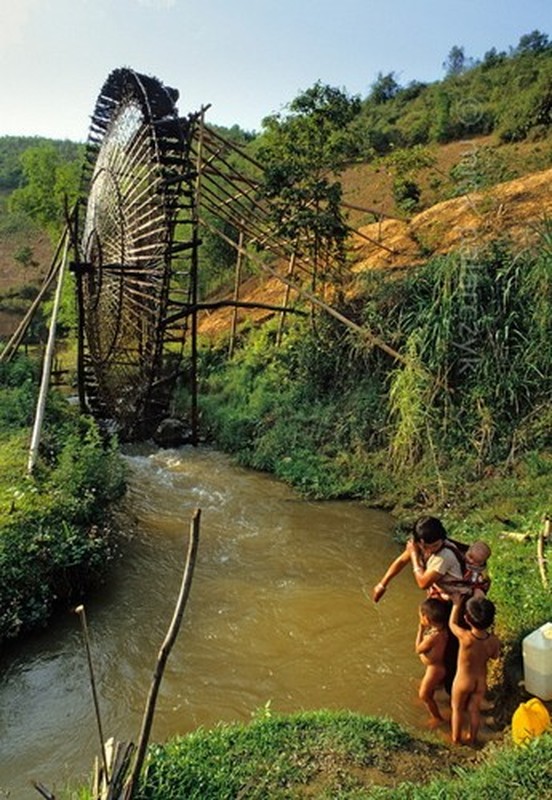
(55, 533)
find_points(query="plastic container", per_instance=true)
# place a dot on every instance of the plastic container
(530, 719)
(537, 662)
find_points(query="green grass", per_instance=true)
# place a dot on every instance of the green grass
(269, 757)
(523, 773)
(339, 756)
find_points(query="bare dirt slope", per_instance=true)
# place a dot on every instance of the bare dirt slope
(13, 273)
(16, 275)
(513, 209)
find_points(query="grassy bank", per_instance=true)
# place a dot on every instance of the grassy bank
(55, 533)
(340, 756)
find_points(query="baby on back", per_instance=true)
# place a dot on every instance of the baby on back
(476, 578)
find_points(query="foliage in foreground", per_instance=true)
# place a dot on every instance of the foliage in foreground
(335, 756)
(54, 525)
(266, 758)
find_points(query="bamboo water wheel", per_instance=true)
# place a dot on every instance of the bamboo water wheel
(136, 231)
(151, 179)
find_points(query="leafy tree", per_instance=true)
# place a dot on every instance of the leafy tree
(455, 63)
(49, 180)
(11, 148)
(403, 165)
(384, 88)
(493, 58)
(441, 123)
(534, 42)
(411, 90)
(302, 152)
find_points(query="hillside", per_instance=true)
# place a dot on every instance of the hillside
(15, 273)
(25, 256)
(510, 209)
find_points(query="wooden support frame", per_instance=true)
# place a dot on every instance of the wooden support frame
(237, 283)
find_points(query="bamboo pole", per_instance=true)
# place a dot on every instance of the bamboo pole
(372, 241)
(194, 279)
(47, 365)
(237, 282)
(186, 311)
(287, 292)
(82, 614)
(376, 212)
(77, 272)
(132, 783)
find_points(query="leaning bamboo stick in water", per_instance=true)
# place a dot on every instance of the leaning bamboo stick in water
(42, 790)
(82, 614)
(170, 638)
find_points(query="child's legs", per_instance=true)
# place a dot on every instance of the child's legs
(474, 711)
(458, 702)
(433, 677)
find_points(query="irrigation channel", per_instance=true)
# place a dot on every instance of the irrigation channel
(279, 615)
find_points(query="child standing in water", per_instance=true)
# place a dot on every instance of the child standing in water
(431, 641)
(477, 646)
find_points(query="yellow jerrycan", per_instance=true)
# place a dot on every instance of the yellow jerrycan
(530, 719)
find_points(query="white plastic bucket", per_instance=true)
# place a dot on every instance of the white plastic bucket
(537, 662)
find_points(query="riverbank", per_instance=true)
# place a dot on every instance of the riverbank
(341, 756)
(329, 755)
(56, 535)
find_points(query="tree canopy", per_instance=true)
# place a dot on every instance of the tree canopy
(50, 179)
(302, 153)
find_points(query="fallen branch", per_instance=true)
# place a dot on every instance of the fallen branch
(516, 536)
(41, 789)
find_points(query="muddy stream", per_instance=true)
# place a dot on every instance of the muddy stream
(279, 613)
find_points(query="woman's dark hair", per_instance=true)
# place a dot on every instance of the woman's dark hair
(429, 530)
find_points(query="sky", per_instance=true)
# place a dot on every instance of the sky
(247, 59)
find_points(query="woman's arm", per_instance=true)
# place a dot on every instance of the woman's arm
(393, 570)
(423, 577)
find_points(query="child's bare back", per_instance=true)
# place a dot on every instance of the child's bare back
(476, 646)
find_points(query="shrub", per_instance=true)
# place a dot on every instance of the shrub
(55, 533)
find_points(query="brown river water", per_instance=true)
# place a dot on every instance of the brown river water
(279, 613)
